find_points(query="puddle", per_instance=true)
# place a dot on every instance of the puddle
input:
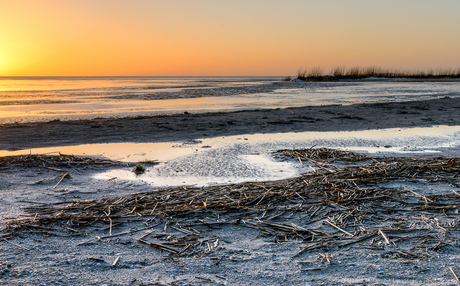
(124, 152)
(243, 158)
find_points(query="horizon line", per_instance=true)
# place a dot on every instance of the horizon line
(5, 76)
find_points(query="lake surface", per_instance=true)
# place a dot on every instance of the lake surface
(70, 98)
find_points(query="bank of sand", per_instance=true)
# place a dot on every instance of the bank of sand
(236, 252)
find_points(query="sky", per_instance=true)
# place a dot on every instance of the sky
(224, 38)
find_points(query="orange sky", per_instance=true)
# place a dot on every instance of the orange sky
(223, 38)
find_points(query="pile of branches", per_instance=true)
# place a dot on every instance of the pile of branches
(347, 199)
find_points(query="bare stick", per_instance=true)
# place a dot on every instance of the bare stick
(455, 275)
(62, 178)
(159, 246)
(312, 269)
(204, 278)
(418, 195)
(154, 208)
(115, 261)
(338, 228)
(309, 247)
(147, 233)
(182, 230)
(221, 277)
(110, 230)
(118, 234)
(17, 245)
(384, 237)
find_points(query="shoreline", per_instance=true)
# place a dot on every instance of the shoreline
(188, 126)
(349, 226)
(387, 221)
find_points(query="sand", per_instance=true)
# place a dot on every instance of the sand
(188, 126)
(240, 255)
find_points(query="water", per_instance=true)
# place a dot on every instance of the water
(219, 160)
(242, 158)
(51, 98)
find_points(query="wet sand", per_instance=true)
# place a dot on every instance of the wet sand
(189, 126)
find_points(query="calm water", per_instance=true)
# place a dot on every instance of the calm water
(234, 159)
(50, 98)
(218, 160)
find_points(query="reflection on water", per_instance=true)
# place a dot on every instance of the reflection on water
(44, 99)
(124, 152)
(243, 158)
(64, 110)
(66, 98)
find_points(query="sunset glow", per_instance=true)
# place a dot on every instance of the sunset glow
(207, 37)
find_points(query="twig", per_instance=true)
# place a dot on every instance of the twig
(309, 247)
(221, 277)
(115, 261)
(338, 228)
(159, 246)
(204, 278)
(118, 234)
(384, 236)
(455, 275)
(62, 178)
(312, 269)
(418, 195)
(182, 230)
(17, 245)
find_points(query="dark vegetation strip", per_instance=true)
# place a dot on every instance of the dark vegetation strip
(342, 73)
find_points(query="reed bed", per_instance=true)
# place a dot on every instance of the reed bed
(347, 200)
(353, 73)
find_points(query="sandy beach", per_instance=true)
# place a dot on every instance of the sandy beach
(315, 244)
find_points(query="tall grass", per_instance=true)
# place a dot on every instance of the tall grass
(342, 73)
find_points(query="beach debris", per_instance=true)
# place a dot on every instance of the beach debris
(139, 169)
(455, 275)
(114, 263)
(15, 244)
(349, 200)
(52, 162)
(66, 175)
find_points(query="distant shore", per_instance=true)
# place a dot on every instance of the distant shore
(359, 73)
(444, 111)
